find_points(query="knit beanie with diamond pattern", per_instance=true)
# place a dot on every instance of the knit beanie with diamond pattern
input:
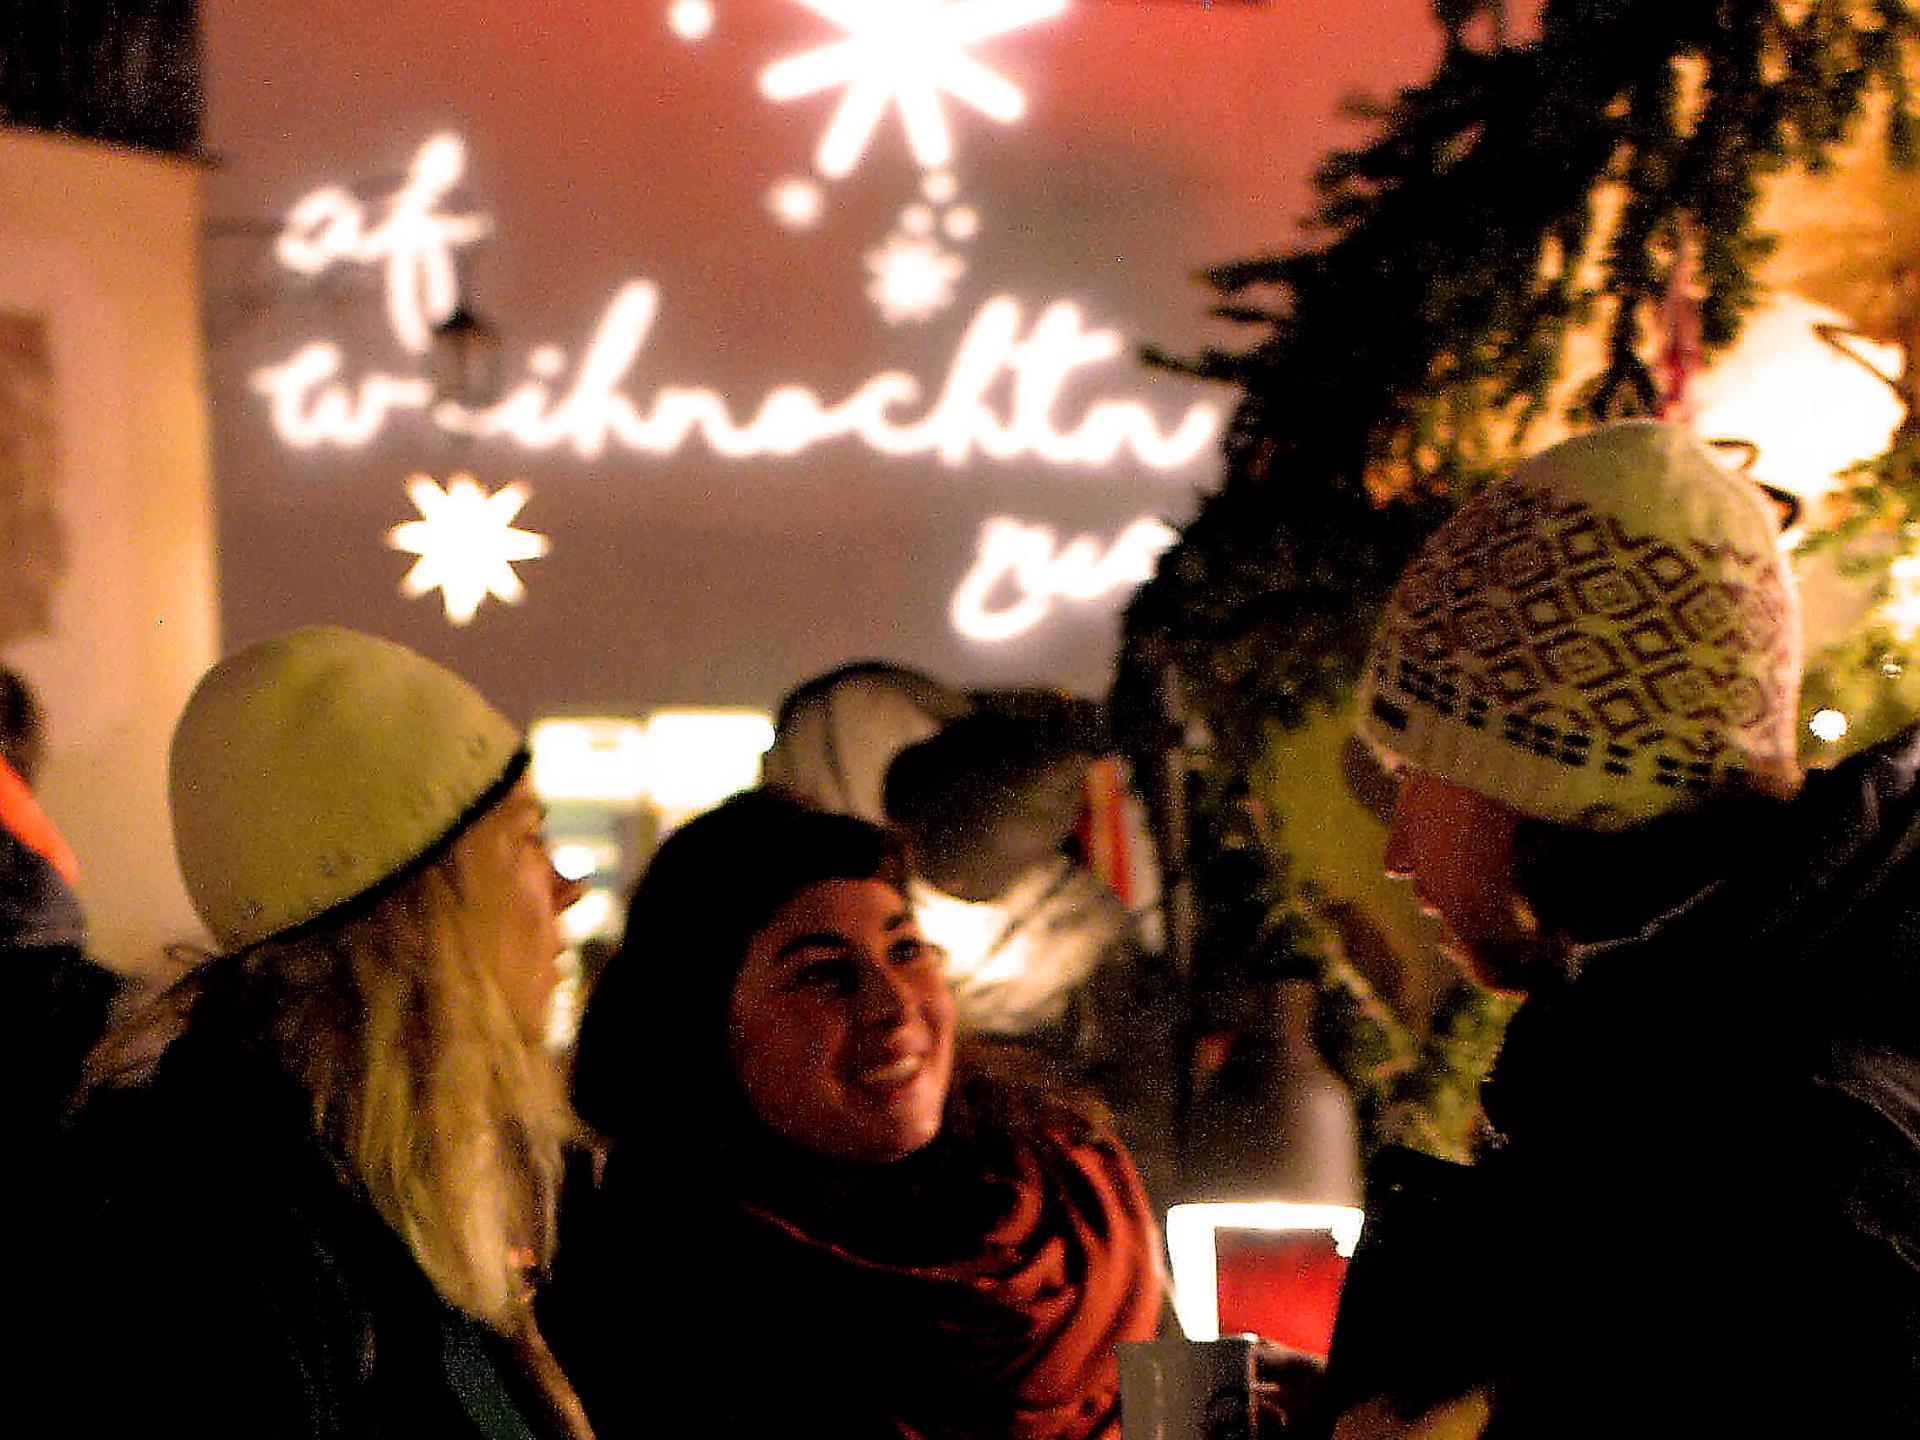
(1610, 634)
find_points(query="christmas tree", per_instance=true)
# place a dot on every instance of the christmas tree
(1610, 185)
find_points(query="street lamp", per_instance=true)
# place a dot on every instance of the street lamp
(464, 362)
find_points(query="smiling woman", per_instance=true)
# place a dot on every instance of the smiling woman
(840, 1027)
(851, 1223)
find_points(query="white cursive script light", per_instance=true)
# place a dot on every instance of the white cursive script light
(466, 542)
(415, 242)
(1020, 571)
(906, 52)
(1003, 399)
(311, 404)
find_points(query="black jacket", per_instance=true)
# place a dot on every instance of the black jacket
(1702, 1213)
(55, 1001)
(207, 1271)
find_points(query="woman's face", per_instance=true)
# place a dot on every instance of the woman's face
(517, 896)
(840, 1025)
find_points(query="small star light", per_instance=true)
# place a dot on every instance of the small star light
(796, 204)
(691, 19)
(913, 278)
(906, 52)
(466, 542)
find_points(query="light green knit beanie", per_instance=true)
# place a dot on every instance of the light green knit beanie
(311, 767)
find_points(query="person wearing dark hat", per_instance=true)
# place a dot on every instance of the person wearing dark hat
(323, 1211)
(821, 1213)
(1699, 1208)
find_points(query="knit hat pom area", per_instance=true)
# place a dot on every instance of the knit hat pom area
(1608, 635)
(313, 766)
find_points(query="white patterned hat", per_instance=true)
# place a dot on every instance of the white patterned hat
(1608, 635)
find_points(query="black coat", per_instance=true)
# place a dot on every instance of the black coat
(1702, 1213)
(54, 1000)
(206, 1271)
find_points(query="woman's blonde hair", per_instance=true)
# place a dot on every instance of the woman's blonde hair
(425, 1088)
(449, 1116)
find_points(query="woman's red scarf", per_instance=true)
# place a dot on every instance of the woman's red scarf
(1017, 1338)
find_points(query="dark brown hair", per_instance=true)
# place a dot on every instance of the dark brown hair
(651, 1056)
(651, 1062)
(22, 732)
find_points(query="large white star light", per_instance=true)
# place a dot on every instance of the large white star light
(905, 52)
(466, 542)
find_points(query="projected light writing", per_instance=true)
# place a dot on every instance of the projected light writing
(1002, 399)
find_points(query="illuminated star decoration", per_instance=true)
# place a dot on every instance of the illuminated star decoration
(906, 52)
(913, 277)
(466, 542)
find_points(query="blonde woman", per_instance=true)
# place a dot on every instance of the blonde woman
(323, 1213)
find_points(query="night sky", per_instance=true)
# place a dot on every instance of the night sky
(604, 149)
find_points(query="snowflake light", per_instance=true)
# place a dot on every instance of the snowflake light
(913, 278)
(906, 52)
(691, 20)
(796, 204)
(466, 542)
